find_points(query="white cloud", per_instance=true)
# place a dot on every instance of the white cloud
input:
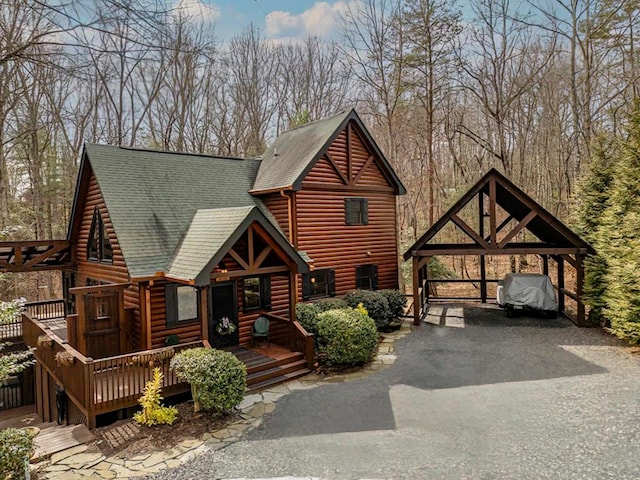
(197, 9)
(321, 20)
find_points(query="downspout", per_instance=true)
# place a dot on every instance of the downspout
(293, 241)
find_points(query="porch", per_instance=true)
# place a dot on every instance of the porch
(98, 386)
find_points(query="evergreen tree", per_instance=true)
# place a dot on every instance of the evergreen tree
(619, 240)
(592, 197)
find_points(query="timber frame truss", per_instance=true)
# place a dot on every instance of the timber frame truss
(518, 212)
(35, 255)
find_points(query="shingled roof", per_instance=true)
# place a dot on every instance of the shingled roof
(153, 197)
(288, 160)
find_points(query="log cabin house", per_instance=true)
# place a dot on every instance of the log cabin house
(165, 250)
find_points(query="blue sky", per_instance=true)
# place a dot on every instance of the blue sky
(277, 19)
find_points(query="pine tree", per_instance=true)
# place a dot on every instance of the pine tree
(592, 197)
(619, 239)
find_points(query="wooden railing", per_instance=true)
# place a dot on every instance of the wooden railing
(299, 339)
(11, 331)
(47, 310)
(107, 384)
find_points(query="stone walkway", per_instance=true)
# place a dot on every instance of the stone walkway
(76, 463)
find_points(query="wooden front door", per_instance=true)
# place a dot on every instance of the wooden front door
(102, 324)
(224, 309)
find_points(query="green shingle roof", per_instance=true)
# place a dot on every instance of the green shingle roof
(287, 159)
(152, 198)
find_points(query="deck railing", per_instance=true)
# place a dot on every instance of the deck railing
(103, 385)
(11, 331)
(299, 339)
(47, 310)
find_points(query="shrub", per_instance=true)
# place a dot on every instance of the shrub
(396, 300)
(218, 379)
(375, 303)
(335, 303)
(16, 448)
(153, 412)
(346, 337)
(307, 315)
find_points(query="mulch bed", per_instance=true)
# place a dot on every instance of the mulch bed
(127, 438)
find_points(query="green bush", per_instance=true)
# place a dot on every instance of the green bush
(16, 448)
(335, 303)
(396, 300)
(346, 337)
(307, 315)
(218, 379)
(375, 303)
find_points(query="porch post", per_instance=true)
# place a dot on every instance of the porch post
(293, 295)
(417, 300)
(204, 312)
(560, 262)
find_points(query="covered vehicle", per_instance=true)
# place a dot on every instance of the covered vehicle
(528, 291)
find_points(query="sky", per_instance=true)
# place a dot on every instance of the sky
(277, 19)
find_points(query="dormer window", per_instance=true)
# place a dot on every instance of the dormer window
(98, 246)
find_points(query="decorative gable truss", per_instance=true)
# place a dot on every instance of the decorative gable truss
(350, 162)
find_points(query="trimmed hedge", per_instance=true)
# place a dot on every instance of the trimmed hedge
(346, 337)
(307, 315)
(376, 304)
(218, 379)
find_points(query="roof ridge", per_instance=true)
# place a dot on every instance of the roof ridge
(168, 152)
(318, 120)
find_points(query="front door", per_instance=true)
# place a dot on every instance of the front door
(223, 322)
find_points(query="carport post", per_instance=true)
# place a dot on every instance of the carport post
(417, 299)
(560, 262)
(579, 284)
(545, 264)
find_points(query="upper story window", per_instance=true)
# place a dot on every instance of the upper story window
(181, 304)
(356, 211)
(318, 284)
(256, 293)
(98, 246)
(367, 277)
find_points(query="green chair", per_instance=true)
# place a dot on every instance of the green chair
(260, 330)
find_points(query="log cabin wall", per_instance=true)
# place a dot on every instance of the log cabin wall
(114, 272)
(349, 170)
(186, 332)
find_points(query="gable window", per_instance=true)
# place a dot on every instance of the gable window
(367, 277)
(181, 304)
(256, 293)
(319, 283)
(356, 211)
(99, 247)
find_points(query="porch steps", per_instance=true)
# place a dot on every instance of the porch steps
(277, 380)
(268, 366)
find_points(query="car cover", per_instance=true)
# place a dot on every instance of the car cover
(531, 290)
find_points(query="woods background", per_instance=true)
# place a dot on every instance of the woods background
(531, 88)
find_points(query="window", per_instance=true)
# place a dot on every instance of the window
(367, 277)
(319, 283)
(181, 304)
(256, 293)
(356, 211)
(99, 247)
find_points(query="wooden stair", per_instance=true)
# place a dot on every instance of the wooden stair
(264, 371)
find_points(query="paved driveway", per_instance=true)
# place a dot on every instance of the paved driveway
(472, 396)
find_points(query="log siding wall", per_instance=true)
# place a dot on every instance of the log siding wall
(320, 214)
(114, 272)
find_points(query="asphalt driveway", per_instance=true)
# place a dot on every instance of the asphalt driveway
(473, 395)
